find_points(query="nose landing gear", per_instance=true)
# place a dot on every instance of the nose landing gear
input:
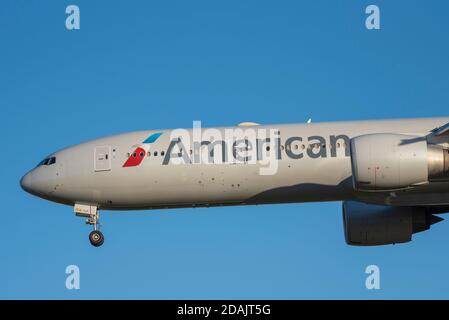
(90, 212)
(96, 238)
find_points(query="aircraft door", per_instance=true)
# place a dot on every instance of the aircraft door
(102, 160)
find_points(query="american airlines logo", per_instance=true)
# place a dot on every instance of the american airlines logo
(253, 150)
(248, 145)
(140, 152)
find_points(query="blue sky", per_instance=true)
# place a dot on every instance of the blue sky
(162, 64)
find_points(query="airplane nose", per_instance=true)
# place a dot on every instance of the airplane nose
(25, 182)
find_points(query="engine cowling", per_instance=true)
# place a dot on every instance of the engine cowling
(385, 162)
(374, 225)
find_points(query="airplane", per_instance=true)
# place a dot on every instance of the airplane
(392, 176)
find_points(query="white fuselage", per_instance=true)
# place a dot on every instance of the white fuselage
(311, 161)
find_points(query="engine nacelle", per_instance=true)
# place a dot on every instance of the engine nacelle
(386, 162)
(374, 225)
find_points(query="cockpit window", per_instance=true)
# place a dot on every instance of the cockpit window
(47, 161)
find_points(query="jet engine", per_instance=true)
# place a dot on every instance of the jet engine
(387, 162)
(374, 225)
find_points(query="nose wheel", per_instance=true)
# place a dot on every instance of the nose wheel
(96, 237)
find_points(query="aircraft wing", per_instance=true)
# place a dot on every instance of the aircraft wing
(444, 129)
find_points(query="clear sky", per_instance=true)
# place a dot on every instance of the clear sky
(162, 64)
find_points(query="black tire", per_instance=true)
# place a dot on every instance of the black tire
(96, 238)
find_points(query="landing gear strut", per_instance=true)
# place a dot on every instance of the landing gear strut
(96, 238)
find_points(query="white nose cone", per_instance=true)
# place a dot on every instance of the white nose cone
(25, 182)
